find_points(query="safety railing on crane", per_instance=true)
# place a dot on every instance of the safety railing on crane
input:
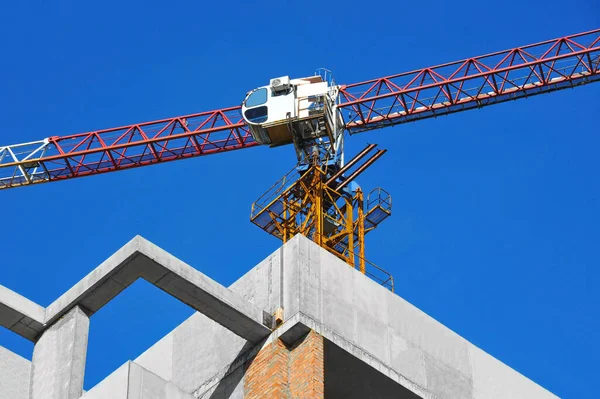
(267, 199)
(326, 75)
(379, 208)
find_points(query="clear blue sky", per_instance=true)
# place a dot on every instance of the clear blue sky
(496, 211)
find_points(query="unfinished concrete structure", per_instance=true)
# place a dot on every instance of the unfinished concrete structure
(341, 336)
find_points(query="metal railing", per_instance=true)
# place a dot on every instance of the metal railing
(378, 274)
(326, 75)
(273, 192)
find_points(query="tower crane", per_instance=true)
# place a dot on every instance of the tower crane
(319, 197)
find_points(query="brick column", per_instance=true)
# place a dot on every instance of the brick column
(281, 372)
(306, 368)
(58, 362)
(266, 374)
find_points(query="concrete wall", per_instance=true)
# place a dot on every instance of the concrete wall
(196, 355)
(14, 375)
(132, 381)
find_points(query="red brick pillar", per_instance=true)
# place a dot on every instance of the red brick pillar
(279, 372)
(306, 368)
(267, 374)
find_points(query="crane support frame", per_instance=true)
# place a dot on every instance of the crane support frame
(472, 83)
(315, 204)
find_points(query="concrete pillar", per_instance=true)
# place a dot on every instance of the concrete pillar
(58, 362)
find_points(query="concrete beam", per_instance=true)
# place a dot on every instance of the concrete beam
(140, 258)
(20, 315)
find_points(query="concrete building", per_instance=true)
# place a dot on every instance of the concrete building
(336, 334)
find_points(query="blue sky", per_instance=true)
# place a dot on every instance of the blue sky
(496, 214)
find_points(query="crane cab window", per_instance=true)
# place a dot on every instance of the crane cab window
(258, 97)
(257, 115)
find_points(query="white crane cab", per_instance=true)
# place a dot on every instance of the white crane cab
(291, 111)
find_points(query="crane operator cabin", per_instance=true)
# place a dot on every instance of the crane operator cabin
(299, 111)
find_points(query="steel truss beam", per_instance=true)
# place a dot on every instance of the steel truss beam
(59, 158)
(472, 83)
(475, 82)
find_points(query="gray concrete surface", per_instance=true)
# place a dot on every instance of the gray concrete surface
(141, 259)
(239, 324)
(14, 375)
(202, 356)
(383, 329)
(132, 381)
(58, 363)
(20, 315)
